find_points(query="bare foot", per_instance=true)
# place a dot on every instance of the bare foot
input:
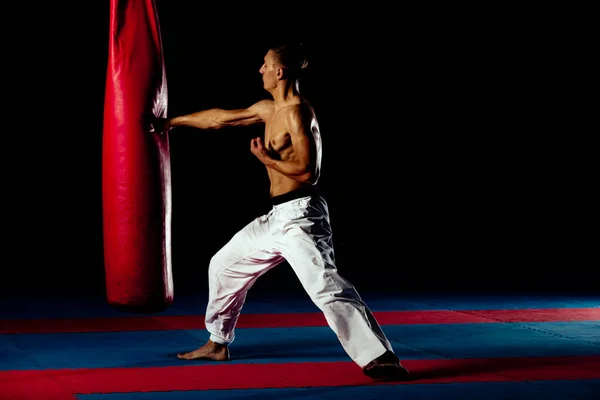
(210, 351)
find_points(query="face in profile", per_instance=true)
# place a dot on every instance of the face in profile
(269, 71)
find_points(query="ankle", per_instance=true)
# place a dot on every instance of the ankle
(216, 346)
(387, 357)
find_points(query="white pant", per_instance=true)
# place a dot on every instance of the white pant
(297, 231)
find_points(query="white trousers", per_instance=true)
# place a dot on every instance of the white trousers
(299, 232)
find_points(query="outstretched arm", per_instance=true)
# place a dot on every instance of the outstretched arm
(214, 118)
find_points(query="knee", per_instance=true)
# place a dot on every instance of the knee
(331, 299)
(215, 266)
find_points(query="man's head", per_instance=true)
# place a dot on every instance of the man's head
(284, 62)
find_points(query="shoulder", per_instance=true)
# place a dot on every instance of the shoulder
(264, 108)
(298, 118)
(298, 114)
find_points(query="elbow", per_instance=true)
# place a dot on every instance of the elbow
(307, 177)
(214, 124)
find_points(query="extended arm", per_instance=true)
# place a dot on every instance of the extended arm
(215, 118)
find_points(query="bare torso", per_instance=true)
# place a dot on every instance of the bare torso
(279, 144)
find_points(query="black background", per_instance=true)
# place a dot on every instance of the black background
(433, 179)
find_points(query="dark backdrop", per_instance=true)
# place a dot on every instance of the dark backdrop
(427, 186)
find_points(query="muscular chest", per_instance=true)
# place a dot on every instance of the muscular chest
(277, 139)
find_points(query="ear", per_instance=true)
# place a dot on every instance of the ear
(281, 73)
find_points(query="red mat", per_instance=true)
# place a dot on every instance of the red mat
(155, 323)
(61, 384)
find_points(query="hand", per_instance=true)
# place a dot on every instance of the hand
(258, 149)
(159, 125)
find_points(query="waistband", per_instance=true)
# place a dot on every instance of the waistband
(295, 194)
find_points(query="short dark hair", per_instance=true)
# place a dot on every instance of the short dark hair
(292, 56)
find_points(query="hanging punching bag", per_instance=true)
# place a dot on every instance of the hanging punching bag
(136, 179)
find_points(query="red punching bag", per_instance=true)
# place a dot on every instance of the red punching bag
(136, 176)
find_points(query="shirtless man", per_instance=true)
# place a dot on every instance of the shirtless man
(297, 228)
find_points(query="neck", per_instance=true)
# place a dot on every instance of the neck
(286, 92)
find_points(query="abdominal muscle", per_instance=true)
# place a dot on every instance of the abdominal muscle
(281, 184)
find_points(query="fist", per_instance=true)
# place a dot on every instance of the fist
(159, 125)
(257, 148)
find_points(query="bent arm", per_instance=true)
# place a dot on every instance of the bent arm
(300, 166)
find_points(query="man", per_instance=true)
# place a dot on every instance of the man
(296, 229)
